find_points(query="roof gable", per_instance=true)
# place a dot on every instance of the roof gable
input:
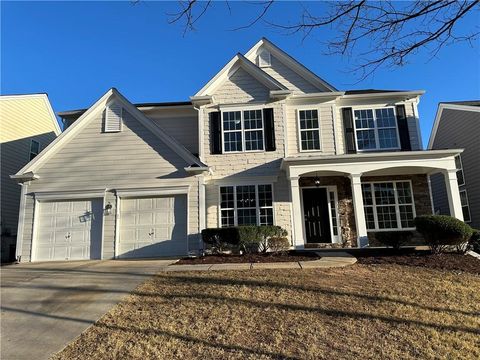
(239, 61)
(90, 115)
(290, 63)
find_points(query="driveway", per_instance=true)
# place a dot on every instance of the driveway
(44, 306)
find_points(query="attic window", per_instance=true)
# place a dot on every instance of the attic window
(113, 118)
(264, 59)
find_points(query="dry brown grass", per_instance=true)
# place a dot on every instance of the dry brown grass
(358, 312)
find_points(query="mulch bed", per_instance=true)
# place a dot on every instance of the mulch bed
(453, 262)
(249, 258)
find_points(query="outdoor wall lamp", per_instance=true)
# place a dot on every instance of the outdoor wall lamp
(108, 209)
(316, 181)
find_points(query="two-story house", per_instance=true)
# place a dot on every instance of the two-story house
(265, 141)
(27, 125)
(457, 124)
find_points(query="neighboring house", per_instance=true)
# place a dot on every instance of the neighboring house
(457, 124)
(27, 126)
(265, 141)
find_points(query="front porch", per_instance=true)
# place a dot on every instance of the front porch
(344, 200)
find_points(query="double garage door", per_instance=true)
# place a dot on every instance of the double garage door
(147, 227)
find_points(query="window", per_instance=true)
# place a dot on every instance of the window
(459, 167)
(34, 148)
(376, 129)
(333, 213)
(309, 130)
(243, 130)
(388, 205)
(246, 205)
(465, 206)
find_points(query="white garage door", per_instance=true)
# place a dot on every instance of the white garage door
(69, 230)
(153, 226)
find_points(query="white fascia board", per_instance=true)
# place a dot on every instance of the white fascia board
(196, 169)
(156, 191)
(233, 65)
(290, 62)
(242, 180)
(73, 194)
(392, 94)
(64, 137)
(438, 116)
(25, 177)
(322, 96)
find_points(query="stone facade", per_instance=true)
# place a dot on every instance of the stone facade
(346, 214)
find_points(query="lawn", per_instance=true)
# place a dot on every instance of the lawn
(375, 311)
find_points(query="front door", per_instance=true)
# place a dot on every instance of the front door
(317, 222)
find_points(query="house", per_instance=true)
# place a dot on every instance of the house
(265, 141)
(27, 125)
(457, 124)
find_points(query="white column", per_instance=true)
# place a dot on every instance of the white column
(453, 193)
(361, 225)
(297, 234)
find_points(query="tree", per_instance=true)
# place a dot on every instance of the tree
(390, 31)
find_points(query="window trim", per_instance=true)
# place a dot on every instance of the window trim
(467, 205)
(377, 143)
(299, 132)
(461, 169)
(397, 206)
(235, 208)
(242, 130)
(30, 158)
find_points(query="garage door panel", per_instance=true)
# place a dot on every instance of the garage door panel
(153, 227)
(69, 230)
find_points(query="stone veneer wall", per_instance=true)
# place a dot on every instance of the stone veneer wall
(346, 214)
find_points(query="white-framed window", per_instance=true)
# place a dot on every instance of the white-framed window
(465, 206)
(376, 129)
(246, 205)
(34, 148)
(333, 212)
(459, 167)
(309, 129)
(243, 130)
(388, 205)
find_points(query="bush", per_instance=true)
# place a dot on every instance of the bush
(279, 244)
(221, 239)
(394, 239)
(474, 242)
(441, 231)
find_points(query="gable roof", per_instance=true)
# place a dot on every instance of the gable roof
(89, 115)
(473, 105)
(290, 62)
(48, 106)
(233, 65)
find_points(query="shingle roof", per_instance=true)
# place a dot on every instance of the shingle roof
(467, 102)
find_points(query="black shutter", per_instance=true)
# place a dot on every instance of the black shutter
(347, 115)
(403, 128)
(269, 129)
(215, 133)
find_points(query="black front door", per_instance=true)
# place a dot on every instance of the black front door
(317, 222)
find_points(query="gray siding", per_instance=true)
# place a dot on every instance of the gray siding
(133, 158)
(461, 129)
(241, 87)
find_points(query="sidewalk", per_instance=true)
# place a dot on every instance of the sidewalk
(327, 260)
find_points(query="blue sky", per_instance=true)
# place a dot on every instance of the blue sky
(75, 51)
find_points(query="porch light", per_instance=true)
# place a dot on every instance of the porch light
(108, 209)
(316, 181)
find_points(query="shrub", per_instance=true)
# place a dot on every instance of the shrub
(441, 231)
(394, 239)
(474, 242)
(221, 239)
(279, 244)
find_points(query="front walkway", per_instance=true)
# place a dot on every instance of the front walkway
(328, 260)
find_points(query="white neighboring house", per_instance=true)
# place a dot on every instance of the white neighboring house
(457, 124)
(27, 126)
(265, 141)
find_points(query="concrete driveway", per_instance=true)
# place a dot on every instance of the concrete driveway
(44, 306)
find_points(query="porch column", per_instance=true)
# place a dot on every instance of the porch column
(297, 226)
(361, 225)
(453, 193)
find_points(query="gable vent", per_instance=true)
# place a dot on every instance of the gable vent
(264, 59)
(113, 118)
